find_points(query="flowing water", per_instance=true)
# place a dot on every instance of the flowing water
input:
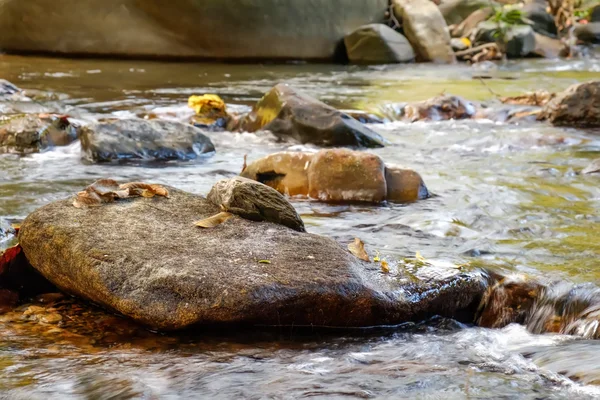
(507, 196)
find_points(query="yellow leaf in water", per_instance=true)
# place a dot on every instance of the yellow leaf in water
(420, 258)
(264, 261)
(358, 249)
(376, 258)
(213, 221)
(385, 268)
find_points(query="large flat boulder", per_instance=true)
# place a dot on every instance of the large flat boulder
(290, 114)
(145, 258)
(214, 29)
(141, 140)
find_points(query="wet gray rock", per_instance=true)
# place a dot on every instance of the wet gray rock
(145, 259)
(426, 29)
(31, 133)
(254, 201)
(519, 39)
(595, 14)
(378, 44)
(578, 106)
(141, 140)
(542, 22)
(291, 114)
(7, 89)
(588, 33)
(456, 11)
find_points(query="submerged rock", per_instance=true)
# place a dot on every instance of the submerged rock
(426, 29)
(378, 44)
(509, 300)
(145, 259)
(578, 106)
(440, 108)
(254, 201)
(141, 140)
(291, 114)
(337, 175)
(32, 133)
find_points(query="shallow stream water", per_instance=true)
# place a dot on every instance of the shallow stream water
(507, 196)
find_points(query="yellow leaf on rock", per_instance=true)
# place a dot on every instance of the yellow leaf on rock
(147, 193)
(159, 190)
(264, 261)
(466, 41)
(358, 249)
(214, 220)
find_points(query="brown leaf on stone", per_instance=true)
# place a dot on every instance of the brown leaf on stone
(87, 198)
(358, 249)
(214, 220)
(122, 193)
(104, 186)
(159, 190)
(138, 188)
(136, 185)
(147, 193)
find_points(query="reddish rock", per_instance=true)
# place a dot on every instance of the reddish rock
(345, 175)
(404, 185)
(285, 172)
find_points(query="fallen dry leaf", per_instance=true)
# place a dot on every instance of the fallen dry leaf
(107, 190)
(139, 188)
(159, 190)
(87, 198)
(8, 255)
(104, 186)
(358, 249)
(136, 185)
(214, 220)
(147, 193)
(385, 268)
